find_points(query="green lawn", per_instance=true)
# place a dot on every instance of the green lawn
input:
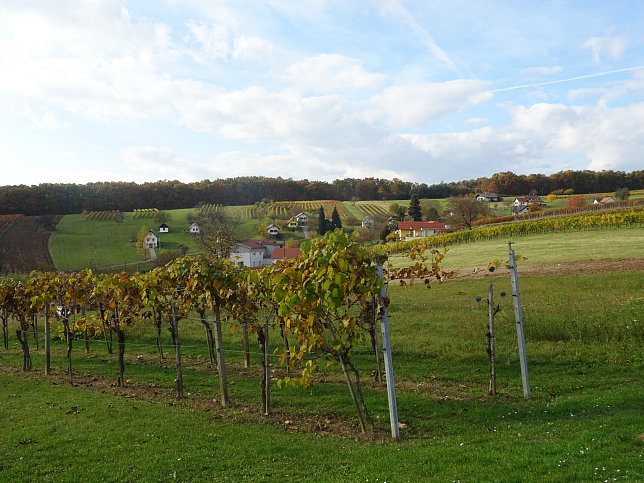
(547, 248)
(79, 242)
(584, 421)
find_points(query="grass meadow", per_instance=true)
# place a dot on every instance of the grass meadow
(556, 247)
(584, 422)
(79, 242)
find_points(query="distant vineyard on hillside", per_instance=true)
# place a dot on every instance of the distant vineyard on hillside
(287, 209)
(372, 209)
(102, 215)
(6, 220)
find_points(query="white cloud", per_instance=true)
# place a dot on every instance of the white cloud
(611, 47)
(253, 48)
(212, 42)
(329, 73)
(607, 137)
(415, 105)
(161, 162)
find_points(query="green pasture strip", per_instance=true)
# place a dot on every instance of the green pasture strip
(553, 247)
(619, 219)
(584, 422)
(353, 210)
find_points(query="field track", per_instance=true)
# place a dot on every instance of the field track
(576, 267)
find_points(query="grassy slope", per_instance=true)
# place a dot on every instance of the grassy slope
(78, 242)
(547, 248)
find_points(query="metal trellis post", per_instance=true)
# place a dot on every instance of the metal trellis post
(518, 317)
(389, 370)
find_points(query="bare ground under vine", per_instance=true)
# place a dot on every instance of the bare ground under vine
(577, 267)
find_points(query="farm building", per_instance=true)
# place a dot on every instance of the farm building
(608, 199)
(419, 229)
(488, 197)
(163, 228)
(151, 240)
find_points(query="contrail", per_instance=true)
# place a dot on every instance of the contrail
(587, 76)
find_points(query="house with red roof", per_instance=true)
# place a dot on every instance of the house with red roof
(419, 229)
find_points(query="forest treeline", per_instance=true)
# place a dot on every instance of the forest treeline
(68, 198)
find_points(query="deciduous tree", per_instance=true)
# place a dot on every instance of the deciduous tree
(466, 210)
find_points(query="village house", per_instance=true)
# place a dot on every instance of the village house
(367, 222)
(527, 200)
(151, 240)
(194, 230)
(298, 220)
(163, 228)
(608, 199)
(488, 197)
(253, 253)
(257, 253)
(273, 230)
(419, 229)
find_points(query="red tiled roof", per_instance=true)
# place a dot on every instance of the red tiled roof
(286, 253)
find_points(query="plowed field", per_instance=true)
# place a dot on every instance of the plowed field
(24, 246)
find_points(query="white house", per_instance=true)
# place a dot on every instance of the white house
(253, 253)
(151, 240)
(273, 230)
(488, 197)
(302, 218)
(367, 222)
(194, 230)
(519, 209)
(163, 228)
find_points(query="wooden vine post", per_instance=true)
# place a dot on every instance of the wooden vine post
(177, 352)
(491, 350)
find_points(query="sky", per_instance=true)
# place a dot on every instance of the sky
(421, 90)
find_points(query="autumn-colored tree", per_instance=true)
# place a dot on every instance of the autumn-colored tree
(577, 202)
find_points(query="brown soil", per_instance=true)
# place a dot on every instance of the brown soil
(24, 246)
(577, 267)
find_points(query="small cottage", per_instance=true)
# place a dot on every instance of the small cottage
(367, 222)
(194, 230)
(273, 230)
(163, 228)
